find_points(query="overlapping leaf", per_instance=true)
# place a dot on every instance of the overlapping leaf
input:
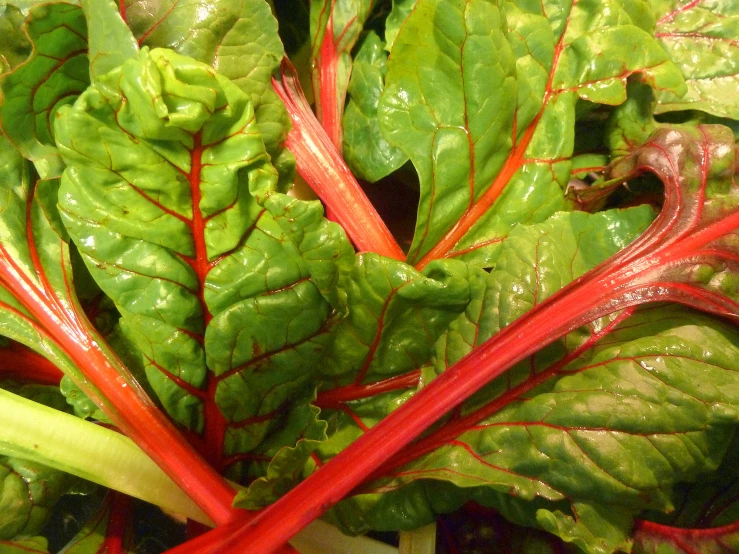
(481, 97)
(701, 38)
(165, 161)
(366, 151)
(28, 491)
(14, 45)
(34, 545)
(30, 226)
(375, 355)
(705, 516)
(56, 72)
(238, 39)
(112, 42)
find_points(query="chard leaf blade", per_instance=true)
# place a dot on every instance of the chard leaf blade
(512, 117)
(212, 291)
(366, 151)
(240, 40)
(55, 73)
(112, 42)
(701, 39)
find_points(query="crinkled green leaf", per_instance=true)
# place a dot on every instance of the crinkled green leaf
(165, 161)
(14, 45)
(239, 39)
(702, 40)
(375, 355)
(366, 151)
(323, 245)
(535, 262)
(111, 43)
(24, 546)
(280, 467)
(28, 491)
(54, 75)
(482, 99)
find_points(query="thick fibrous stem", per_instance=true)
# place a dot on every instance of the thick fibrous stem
(323, 169)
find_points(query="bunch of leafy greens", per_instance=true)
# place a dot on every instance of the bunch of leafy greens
(528, 335)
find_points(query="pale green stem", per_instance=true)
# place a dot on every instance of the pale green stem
(321, 538)
(62, 441)
(36, 432)
(418, 541)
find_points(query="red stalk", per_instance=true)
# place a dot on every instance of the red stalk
(684, 539)
(118, 522)
(330, 104)
(215, 422)
(109, 383)
(323, 169)
(23, 364)
(684, 234)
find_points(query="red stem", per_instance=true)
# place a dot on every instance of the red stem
(630, 278)
(333, 398)
(109, 383)
(20, 363)
(671, 533)
(323, 169)
(331, 105)
(215, 422)
(118, 521)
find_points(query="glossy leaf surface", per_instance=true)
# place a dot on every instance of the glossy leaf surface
(482, 98)
(366, 151)
(162, 200)
(54, 75)
(375, 355)
(701, 39)
(28, 491)
(238, 39)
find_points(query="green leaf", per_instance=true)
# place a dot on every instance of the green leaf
(401, 10)
(282, 467)
(483, 99)
(535, 262)
(27, 215)
(563, 433)
(111, 42)
(28, 491)
(14, 45)
(705, 519)
(166, 165)
(701, 40)
(374, 359)
(366, 151)
(239, 39)
(54, 75)
(34, 544)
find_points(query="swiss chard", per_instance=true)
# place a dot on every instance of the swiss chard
(526, 366)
